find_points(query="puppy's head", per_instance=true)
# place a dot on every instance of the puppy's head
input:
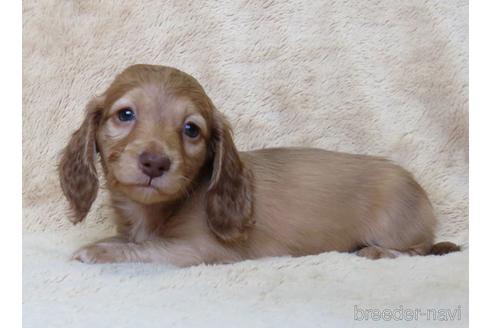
(157, 132)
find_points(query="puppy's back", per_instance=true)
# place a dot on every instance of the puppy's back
(311, 200)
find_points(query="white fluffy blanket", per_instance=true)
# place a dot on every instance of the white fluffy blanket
(387, 78)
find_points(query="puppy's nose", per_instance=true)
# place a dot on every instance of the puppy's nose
(153, 165)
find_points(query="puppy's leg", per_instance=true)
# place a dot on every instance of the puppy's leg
(174, 252)
(376, 252)
(99, 252)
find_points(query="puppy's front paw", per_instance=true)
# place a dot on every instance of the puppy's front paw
(98, 253)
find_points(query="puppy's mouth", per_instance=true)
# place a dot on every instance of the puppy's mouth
(150, 182)
(140, 181)
(149, 185)
(138, 185)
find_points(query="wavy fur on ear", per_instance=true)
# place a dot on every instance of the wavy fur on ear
(77, 170)
(230, 194)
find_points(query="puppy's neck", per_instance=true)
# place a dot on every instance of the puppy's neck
(140, 222)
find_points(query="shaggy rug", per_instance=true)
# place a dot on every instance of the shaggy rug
(387, 78)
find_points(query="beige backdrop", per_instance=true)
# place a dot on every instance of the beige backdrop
(387, 78)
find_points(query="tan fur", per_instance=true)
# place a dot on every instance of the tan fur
(218, 205)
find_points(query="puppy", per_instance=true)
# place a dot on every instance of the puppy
(182, 193)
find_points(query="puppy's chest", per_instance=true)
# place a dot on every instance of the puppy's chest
(138, 223)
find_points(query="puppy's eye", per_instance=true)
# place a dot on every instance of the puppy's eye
(126, 114)
(191, 130)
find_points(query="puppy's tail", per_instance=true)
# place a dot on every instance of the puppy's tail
(444, 247)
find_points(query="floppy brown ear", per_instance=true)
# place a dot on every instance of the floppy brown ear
(230, 194)
(77, 170)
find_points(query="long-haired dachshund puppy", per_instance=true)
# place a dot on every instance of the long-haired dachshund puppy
(183, 194)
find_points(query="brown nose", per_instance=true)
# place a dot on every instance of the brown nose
(153, 165)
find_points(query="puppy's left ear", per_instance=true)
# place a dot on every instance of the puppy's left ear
(230, 194)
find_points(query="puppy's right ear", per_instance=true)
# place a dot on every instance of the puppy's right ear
(77, 170)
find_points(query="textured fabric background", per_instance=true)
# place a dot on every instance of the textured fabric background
(387, 78)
